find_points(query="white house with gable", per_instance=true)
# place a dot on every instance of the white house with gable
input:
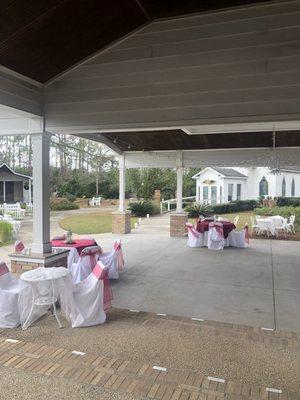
(216, 185)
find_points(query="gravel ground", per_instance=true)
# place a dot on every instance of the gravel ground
(209, 350)
(21, 385)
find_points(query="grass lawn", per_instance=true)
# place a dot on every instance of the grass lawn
(89, 223)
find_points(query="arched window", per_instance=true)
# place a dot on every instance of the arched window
(283, 188)
(293, 188)
(263, 187)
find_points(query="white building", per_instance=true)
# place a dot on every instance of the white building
(14, 187)
(221, 185)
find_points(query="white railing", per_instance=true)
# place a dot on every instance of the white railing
(169, 202)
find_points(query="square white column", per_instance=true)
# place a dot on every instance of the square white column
(41, 193)
(179, 170)
(122, 183)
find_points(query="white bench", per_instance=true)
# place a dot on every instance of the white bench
(95, 201)
(15, 210)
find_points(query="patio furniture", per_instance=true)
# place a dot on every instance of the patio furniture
(84, 303)
(114, 260)
(265, 226)
(78, 244)
(15, 210)
(216, 239)
(10, 288)
(280, 224)
(203, 226)
(291, 224)
(195, 238)
(73, 255)
(86, 263)
(95, 201)
(254, 226)
(44, 289)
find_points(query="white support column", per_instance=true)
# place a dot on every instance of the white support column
(41, 194)
(4, 192)
(179, 169)
(30, 193)
(122, 183)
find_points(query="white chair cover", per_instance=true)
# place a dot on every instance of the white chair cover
(113, 260)
(238, 238)
(83, 303)
(73, 256)
(195, 238)
(87, 261)
(10, 287)
(215, 240)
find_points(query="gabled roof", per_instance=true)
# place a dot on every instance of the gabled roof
(291, 169)
(225, 172)
(4, 167)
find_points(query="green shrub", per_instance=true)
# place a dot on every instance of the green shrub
(141, 208)
(285, 212)
(237, 206)
(288, 201)
(62, 204)
(71, 197)
(196, 210)
(6, 232)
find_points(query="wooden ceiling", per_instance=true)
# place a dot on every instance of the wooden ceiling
(179, 140)
(42, 38)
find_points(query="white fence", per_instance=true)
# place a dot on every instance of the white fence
(168, 203)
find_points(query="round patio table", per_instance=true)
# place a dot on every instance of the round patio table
(78, 244)
(203, 226)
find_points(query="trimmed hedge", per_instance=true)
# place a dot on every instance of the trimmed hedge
(240, 205)
(62, 204)
(6, 232)
(285, 212)
(288, 201)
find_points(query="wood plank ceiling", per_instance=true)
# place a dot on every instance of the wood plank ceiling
(42, 38)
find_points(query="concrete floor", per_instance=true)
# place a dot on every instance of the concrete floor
(258, 286)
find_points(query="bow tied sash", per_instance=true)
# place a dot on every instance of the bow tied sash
(3, 269)
(102, 273)
(120, 258)
(218, 228)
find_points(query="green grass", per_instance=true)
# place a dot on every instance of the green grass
(89, 223)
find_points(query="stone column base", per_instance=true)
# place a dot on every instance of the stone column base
(178, 224)
(25, 262)
(121, 222)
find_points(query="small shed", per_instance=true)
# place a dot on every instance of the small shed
(14, 187)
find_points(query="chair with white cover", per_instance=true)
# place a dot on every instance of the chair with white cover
(87, 261)
(239, 239)
(84, 303)
(291, 224)
(10, 288)
(236, 220)
(113, 260)
(215, 240)
(195, 238)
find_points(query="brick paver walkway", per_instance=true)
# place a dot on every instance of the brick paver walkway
(142, 379)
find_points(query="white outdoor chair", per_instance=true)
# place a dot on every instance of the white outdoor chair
(291, 224)
(84, 303)
(236, 220)
(113, 260)
(238, 238)
(265, 226)
(254, 226)
(73, 256)
(87, 261)
(10, 288)
(95, 201)
(215, 240)
(195, 238)
(281, 226)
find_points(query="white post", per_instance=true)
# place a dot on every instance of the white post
(122, 183)
(179, 164)
(29, 197)
(41, 193)
(4, 192)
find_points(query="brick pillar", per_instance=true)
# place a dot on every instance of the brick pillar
(157, 196)
(121, 222)
(178, 224)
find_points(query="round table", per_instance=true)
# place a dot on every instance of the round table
(203, 226)
(43, 281)
(78, 244)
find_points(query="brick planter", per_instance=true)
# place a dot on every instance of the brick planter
(178, 224)
(121, 222)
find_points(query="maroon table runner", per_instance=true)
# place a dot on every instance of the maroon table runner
(202, 226)
(79, 244)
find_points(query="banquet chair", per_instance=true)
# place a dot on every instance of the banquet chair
(254, 226)
(87, 261)
(239, 239)
(113, 260)
(195, 238)
(290, 225)
(84, 303)
(10, 288)
(236, 220)
(215, 239)
(281, 226)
